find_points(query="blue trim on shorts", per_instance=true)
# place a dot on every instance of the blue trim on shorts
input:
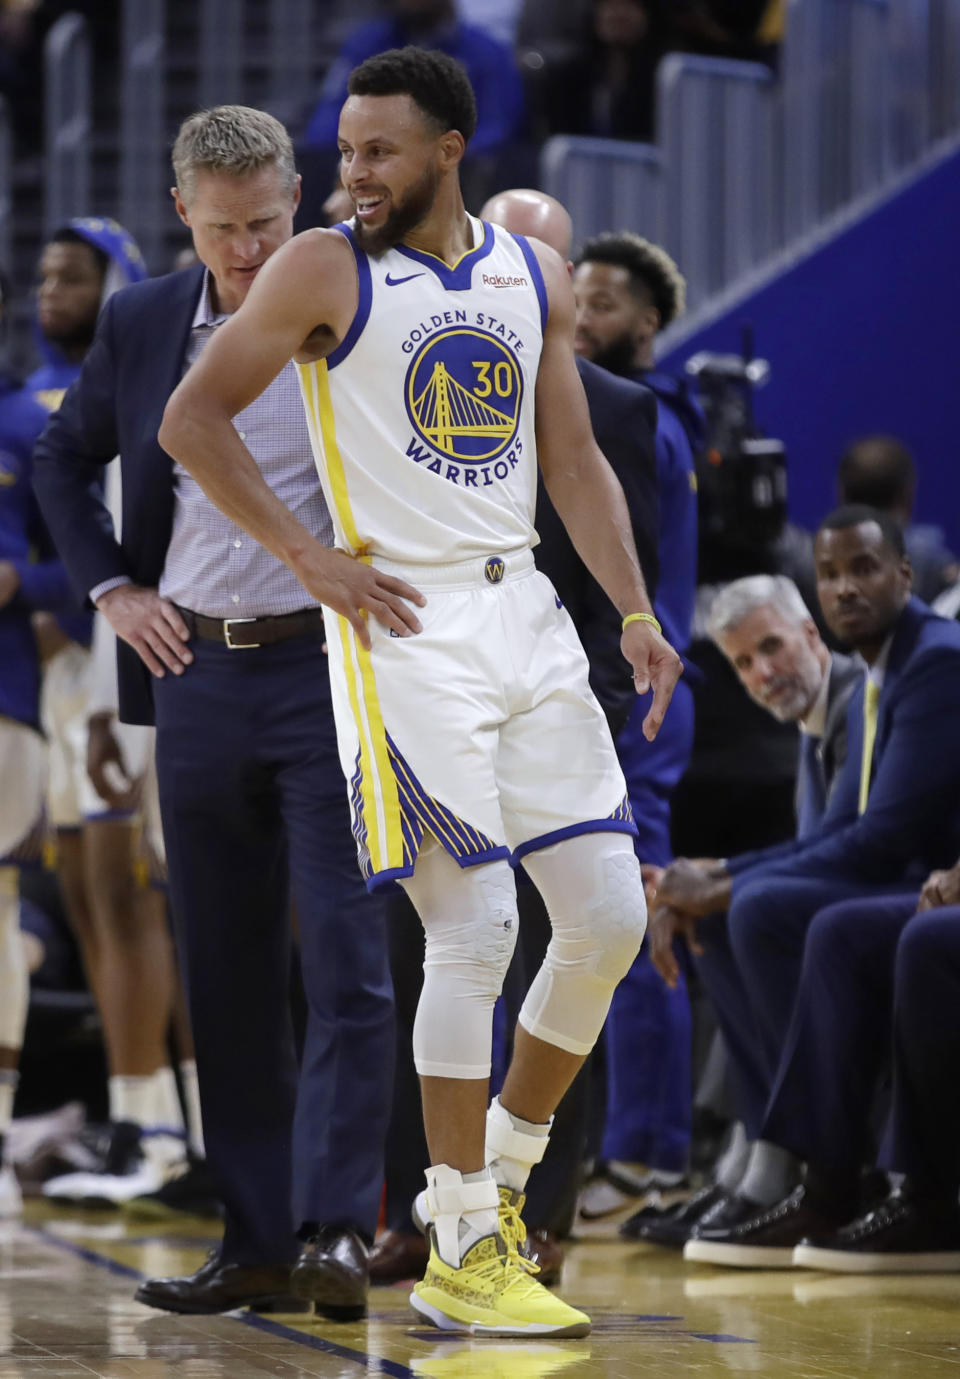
(536, 273)
(364, 300)
(111, 816)
(387, 880)
(559, 835)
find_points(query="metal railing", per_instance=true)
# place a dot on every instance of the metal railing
(144, 177)
(835, 95)
(221, 52)
(746, 163)
(291, 59)
(606, 184)
(67, 121)
(716, 124)
(944, 67)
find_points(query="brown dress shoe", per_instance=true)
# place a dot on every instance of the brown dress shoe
(543, 1248)
(332, 1273)
(218, 1286)
(398, 1255)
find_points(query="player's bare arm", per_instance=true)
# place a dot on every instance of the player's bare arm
(300, 306)
(588, 497)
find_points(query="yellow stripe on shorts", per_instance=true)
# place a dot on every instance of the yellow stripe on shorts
(378, 784)
(322, 423)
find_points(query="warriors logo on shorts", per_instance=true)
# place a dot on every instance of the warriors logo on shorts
(463, 393)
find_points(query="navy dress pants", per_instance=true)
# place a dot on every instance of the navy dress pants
(839, 1041)
(254, 807)
(648, 1031)
(751, 969)
(924, 1133)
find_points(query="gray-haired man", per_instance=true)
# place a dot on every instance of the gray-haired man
(222, 648)
(764, 628)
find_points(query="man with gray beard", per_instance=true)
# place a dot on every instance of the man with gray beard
(764, 628)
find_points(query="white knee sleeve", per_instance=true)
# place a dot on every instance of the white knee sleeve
(470, 920)
(594, 895)
(14, 979)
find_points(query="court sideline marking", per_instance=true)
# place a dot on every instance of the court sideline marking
(373, 1364)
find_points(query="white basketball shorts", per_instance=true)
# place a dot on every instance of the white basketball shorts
(64, 710)
(481, 730)
(23, 771)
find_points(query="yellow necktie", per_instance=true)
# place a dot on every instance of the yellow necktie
(871, 698)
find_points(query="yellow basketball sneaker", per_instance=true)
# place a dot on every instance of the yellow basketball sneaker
(492, 1293)
(511, 1223)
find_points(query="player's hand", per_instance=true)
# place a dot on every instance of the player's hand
(151, 625)
(656, 666)
(940, 888)
(666, 924)
(49, 636)
(9, 581)
(694, 888)
(650, 875)
(354, 589)
(105, 764)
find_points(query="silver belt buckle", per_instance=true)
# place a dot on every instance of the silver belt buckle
(228, 623)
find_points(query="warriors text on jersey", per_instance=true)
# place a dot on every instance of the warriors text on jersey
(423, 425)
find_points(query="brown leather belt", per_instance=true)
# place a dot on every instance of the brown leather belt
(243, 634)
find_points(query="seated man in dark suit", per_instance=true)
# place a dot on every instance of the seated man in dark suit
(899, 987)
(894, 814)
(878, 974)
(764, 628)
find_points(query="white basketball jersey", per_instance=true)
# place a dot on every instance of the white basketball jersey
(422, 419)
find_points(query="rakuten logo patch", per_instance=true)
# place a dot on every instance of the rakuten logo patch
(503, 280)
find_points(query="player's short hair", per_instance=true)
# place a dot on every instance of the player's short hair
(735, 603)
(878, 471)
(67, 235)
(653, 273)
(235, 139)
(855, 514)
(436, 83)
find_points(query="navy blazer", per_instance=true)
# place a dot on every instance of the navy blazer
(831, 750)
(115, 407)
(623, 415)
(912, 820)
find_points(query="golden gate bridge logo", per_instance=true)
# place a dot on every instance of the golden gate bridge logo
(463, 395)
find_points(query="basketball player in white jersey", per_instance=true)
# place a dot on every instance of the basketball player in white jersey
(437, 367)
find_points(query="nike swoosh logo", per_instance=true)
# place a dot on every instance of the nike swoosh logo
(395, 282)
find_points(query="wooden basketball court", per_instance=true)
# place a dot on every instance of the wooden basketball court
(66, 1308)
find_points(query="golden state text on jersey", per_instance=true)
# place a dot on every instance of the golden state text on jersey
(422, 419)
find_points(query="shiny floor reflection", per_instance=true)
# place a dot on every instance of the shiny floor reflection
(66, 1308)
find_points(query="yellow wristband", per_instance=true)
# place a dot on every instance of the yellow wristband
(641, 617)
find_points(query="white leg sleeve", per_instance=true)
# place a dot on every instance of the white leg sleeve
(469, 916)
(594, 895)
(14, 979)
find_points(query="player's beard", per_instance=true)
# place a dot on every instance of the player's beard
(75, 339)
(402, 217)
(618, 356)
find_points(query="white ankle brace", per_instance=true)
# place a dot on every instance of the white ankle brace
(450, 1200)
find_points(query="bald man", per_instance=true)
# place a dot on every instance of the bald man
(623, 415)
